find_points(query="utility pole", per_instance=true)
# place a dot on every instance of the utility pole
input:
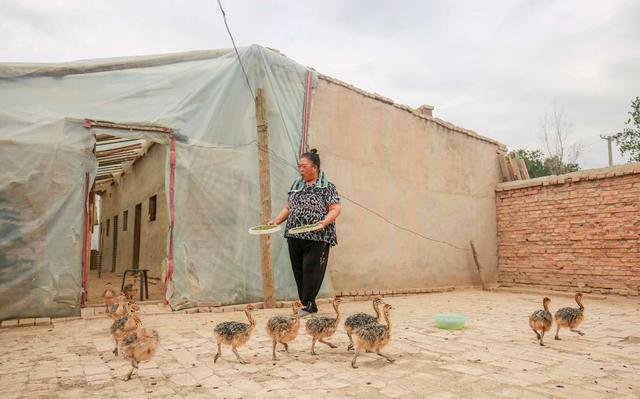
(609, 140)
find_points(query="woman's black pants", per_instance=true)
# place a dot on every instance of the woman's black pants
(309, 263)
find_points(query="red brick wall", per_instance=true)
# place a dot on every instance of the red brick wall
(582, 233)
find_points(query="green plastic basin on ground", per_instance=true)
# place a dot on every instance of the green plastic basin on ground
(450, 321)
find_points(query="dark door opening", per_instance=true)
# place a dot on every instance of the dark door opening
(114, 254)
(136, 237)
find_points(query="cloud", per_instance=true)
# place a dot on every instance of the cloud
(490, 66)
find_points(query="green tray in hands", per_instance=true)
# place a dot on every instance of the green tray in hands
(265, 229)
(305, 229)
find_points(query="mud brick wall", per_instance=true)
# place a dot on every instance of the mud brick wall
(576, 231)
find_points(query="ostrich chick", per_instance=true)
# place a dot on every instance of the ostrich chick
(139, 346)
(234, 333)
(120, 310)
(570, 317)
(358, 320)
(322, 327)
(131, 289)
(123, 327)
(541, 320)
(284, 329)
(110, 297)
(373, 337)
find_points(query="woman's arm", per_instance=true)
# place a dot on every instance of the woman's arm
(332, 215)
(282, 216)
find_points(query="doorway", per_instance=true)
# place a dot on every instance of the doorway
(114, 245)
(130, 172)
(135, 264)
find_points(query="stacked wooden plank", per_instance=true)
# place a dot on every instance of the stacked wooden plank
(512, 167)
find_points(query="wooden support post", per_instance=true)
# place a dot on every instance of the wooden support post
(504, 170)
(475, 259)
(268, 285)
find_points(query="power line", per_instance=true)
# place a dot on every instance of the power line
(279, 158)
(224, 16)
(246, 76)
(401, 227)
(222, 146)
(253, 96)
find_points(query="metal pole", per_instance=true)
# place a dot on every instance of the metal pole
(609, 140)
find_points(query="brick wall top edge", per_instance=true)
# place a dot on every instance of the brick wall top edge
(438, 121)
(588, 174)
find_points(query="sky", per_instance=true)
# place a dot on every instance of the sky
(495, 67)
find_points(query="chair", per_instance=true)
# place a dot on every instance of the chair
(142, 275)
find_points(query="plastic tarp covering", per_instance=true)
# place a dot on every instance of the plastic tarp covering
(204, 97)
(42, 195)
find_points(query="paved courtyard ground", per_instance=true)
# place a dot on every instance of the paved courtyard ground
(496, 356)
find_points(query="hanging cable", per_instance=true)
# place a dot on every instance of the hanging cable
(401, 227)
(279, 158)
(246, 76)
(224, 16)
(284, 161)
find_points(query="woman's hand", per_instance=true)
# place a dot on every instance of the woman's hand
(334, 212)
(282, 216)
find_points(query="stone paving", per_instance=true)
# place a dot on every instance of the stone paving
(495, 356)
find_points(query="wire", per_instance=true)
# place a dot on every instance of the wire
(279, 158)
(401, 227)
(224, 16)
(223, 147)
(246, 76)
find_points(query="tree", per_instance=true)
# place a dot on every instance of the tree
(561, 157)
(534, 159)
(628, 140)
(557, 167)
(538, 165)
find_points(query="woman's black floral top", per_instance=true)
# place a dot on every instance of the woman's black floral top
(310, 205)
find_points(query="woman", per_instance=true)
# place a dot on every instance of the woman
(312, 199)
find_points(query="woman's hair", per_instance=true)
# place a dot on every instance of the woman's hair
(312, 156)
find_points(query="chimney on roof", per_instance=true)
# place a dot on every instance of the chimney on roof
(426, 110)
